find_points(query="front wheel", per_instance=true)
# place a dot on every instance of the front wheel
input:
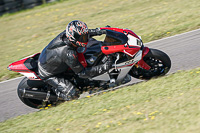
(159, 62)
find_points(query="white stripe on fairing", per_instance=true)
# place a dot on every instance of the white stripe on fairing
(28, 75)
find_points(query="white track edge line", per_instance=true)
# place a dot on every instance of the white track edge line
(11, 80)
(172, 36)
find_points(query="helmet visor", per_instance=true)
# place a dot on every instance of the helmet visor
(82, 38)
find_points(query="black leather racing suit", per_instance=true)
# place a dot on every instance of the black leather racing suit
(60, 55)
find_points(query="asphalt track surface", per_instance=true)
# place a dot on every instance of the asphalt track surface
(183, 49)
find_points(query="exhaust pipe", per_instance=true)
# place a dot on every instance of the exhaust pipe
(39, 95)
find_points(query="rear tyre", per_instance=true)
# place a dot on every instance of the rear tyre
(159, 62)
(30, 84)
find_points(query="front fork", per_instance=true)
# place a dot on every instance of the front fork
(142, 63)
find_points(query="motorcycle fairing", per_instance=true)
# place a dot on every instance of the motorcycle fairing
(142, 63)
(114, 38)
(129, 46)
(25, 66)
(123, 68)
(120, 40)
(119, 48)
(125, 31)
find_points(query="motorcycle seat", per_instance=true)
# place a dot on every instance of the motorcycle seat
(30, 63)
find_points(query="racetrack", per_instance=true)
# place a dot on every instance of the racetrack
(183, 50)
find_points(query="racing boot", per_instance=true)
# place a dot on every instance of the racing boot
(63, 88)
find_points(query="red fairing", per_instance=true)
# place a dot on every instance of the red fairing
(142, 63)
(127, 31)
(131, 51)
(120, 48)
(145, 51)
(81, 59)
(112, 49)
(19, 66)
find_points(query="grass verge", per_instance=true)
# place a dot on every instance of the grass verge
(28, 32)
(169, 104)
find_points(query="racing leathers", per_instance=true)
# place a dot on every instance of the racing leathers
(58, 57)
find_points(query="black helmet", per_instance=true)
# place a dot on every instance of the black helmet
(77, 33)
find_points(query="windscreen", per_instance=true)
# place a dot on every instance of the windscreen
(114, 38)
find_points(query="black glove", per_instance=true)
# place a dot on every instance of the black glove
(96, 70)
(96, 32)
(107, 26)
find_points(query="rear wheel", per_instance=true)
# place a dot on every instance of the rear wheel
(31, 84)
(159, 62)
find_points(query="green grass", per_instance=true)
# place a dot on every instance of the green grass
(28, 32)
(169, 104)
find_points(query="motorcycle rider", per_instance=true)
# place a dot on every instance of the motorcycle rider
(60, 55)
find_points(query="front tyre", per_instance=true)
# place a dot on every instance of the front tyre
(159, 62)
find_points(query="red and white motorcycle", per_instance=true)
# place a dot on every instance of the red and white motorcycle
(131, 59)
